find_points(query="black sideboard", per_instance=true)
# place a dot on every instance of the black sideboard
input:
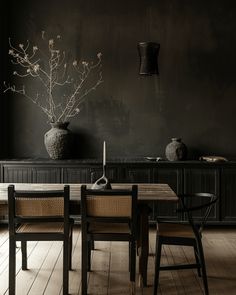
(182, 176)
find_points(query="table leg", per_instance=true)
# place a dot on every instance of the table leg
(143, 244)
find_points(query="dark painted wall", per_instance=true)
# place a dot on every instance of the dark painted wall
(193, 98)
(3, 74)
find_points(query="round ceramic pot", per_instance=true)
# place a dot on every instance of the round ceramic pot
(176, 150)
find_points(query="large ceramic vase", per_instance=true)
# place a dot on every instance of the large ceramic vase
(58, 141)
(176, 150)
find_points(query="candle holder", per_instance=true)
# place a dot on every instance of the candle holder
(102, 182)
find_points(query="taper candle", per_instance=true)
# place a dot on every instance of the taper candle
(104, 153)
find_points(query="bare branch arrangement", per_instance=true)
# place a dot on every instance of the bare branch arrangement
(63, 87)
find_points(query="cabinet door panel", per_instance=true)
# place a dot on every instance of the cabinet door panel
(138, 175)
(197, 180)
(46, 175)
(76, 175)
(228, 194)
(173, 177)
(16, 174)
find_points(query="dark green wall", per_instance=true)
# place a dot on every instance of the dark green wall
(193, 98)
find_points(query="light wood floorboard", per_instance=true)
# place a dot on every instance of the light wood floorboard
(110, 265)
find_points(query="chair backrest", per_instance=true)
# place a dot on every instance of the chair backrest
(38, 206)
(191, 203)
(112, 205)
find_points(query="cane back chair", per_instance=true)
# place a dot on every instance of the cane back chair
(108, 215)
(38, 216)
(189, 234)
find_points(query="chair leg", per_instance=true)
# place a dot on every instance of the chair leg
(132, 260)
(129, 256)
(70, 250)
(24, 254)
(132, 264)
(157, 264)
(202, 260)
(12, 266)
(65, 267)
(92, 245)
(197, 260)
(84, 264)
(89, 249)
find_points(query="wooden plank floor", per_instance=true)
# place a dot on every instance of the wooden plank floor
(110, 267)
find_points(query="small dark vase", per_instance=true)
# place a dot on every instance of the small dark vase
(176, 150)
(58, 141)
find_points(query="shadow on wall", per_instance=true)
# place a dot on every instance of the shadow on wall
(106, 119)
(83, 147)
(110, 117)
(194, 153)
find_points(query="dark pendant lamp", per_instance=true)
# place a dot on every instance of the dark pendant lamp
(148, 53)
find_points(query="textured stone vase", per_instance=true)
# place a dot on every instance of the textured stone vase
(176, 150)
(58, 141)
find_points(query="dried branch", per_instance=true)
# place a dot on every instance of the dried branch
(52, 73)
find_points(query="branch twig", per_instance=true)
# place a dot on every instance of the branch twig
(54, 78)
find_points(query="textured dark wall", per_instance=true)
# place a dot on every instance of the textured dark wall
(3, 74)
(193, 98)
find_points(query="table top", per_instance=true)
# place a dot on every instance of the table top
(146, 191)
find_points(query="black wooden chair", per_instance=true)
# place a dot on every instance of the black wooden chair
(108, 215)
(38, 216)
(190, 234)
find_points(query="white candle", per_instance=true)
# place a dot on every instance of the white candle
(104, 153)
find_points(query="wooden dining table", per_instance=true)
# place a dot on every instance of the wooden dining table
(147, 192)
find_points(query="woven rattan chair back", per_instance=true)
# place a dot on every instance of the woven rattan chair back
(41, 206)
(108, 215)
(109, 206)
(38, 216)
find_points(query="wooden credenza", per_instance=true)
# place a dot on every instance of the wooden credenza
(182, 176)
